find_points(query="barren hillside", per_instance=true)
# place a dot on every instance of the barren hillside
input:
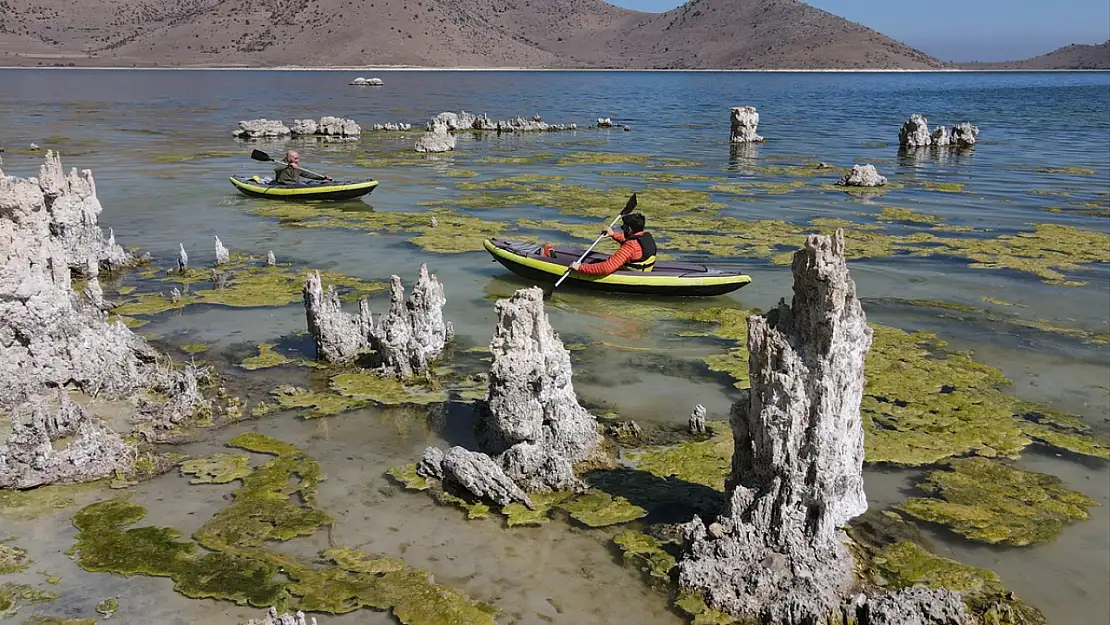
(1075, 56)
(761, 34)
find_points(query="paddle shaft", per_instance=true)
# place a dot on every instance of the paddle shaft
(588, 250)
(300, 168)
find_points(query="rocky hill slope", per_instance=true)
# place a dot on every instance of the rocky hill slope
(1075, 56)
(757, 34)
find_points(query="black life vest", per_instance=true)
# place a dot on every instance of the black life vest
(647, 257)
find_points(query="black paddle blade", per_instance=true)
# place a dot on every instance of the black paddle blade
(631, 205)
(259, 155)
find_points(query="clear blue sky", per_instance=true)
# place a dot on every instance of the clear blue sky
(965, 30)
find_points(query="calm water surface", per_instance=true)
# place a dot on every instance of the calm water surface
(122, 125)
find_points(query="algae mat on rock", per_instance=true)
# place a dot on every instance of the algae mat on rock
(990, 502)
(276, 502)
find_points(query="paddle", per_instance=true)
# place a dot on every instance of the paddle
(259, 155)
(624, 211)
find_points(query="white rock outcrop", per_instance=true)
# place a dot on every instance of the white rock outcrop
(391, 127)
(338, 127)
(964, 134)
(940, 137)
(776, 553)
(273, 618)
(29, 458)
(745, 121)
(367, 82)
(914, 132)
(303, 127)
(437, 139)
(469, 121)
(405, 341)
(262, 129)
(862, 176)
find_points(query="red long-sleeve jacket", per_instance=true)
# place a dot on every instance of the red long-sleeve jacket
(630, 250)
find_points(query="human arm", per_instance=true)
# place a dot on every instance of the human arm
(312, 176)
(627, 252)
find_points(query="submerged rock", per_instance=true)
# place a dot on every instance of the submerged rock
(696, 424)
(862, 176)
(776, 553)
(273, 618)
(437, 139)
(29, 458)
(964, 134)
(914, 132)
(338, 127)
(480, 475)
(261, 129)
(745, 120)
(303, 127)
(940, 137)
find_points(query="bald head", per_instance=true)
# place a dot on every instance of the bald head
(292, 157)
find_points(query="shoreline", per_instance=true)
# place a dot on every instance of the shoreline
(404, 68)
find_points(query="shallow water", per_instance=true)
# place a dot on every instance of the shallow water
(119, 123)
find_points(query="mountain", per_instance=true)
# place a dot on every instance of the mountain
(754, 34)
(1075, 56)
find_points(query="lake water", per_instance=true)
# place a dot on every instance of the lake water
(160, 146)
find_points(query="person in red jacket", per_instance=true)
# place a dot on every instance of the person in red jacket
(636, 253)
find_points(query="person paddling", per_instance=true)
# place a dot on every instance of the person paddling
(636, 253)
(290, 171)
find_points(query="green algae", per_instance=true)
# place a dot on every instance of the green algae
(265, 359)
(646, 553)
(39, 619)
(148, 304)
(455, 172)
(371, 387)
(944, 187)
(730, 324)
(529, 159)
(195, 156)
(375, 160)
(408, 477)
(861, 191)
(1087, 336)
(600, 509)
(694, 605)
(893, 213)
(15, 597)
(262, 444)
(1062, 439)
(129, 322)
(706, 462)
(601, 158)
(12, 559)
(757, 187)
(921, 406)
(998, 302)
(474, 509)
(660, 176)
(990, 502)
(1074, 171)
(519, 515)
(317, 404)
(195, 348)
(107, 607)
(522, 182)
(217, 469)
(932, 303)
(27, 505)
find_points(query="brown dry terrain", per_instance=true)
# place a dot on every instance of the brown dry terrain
(1075, 56)
(755, 34)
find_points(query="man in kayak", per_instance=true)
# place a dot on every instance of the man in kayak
(289, 172)
(637, 250)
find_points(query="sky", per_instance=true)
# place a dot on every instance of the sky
(965, 30)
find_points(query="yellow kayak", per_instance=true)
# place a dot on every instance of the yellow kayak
(305, 189)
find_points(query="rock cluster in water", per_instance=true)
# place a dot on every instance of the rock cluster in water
(862, 176)
(366, 82)
(53, 339)
(404, 341)
(745, 121)
(389, 126)
(437, 139)
(530, 425)
(914, 133)
(273, 618)
(332, 128)
(469, 121)
(776, 552)
(29, 458)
